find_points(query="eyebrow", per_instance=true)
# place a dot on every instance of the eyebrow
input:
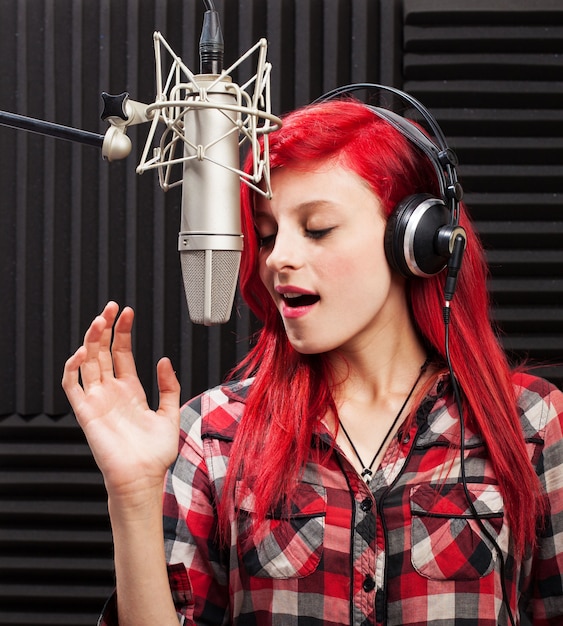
(312, 205)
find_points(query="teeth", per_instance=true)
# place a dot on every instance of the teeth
(291, 295)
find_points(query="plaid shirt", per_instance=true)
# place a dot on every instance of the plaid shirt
(401, 550)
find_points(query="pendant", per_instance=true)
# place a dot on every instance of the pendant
(367, 474)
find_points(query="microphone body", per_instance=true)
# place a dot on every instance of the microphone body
(210, 240)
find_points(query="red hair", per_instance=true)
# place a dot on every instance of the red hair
(292, 391)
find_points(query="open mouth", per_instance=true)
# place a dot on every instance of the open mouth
(297, 300)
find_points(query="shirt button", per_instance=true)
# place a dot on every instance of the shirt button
(369, 584)
(406, 438)
(365, 505)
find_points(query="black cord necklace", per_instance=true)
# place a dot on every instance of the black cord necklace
(367, 472)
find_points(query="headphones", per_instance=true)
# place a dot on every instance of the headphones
(420, 232)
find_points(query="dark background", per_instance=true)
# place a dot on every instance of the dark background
(76, 231)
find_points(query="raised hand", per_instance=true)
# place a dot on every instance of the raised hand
(132, 444)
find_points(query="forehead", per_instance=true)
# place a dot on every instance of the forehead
(325, 187)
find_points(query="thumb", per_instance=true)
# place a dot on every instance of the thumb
(168, 387)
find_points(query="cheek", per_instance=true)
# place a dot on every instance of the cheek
(264, 273)
(359, 263)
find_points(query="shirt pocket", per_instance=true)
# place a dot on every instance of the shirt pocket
(284, 546)
(446, 541)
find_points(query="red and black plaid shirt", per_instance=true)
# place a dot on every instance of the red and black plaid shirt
(404, 549)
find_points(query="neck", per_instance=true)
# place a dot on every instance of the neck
(375, 373)
(372, 380)
(365, 469)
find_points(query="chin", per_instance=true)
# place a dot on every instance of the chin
(306, 349)
(310, 347)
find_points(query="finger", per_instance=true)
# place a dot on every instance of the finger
(122, 351)
(105, 360)
(70, 381)
(169, 389)
(90, 367)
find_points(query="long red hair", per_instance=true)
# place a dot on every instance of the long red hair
(291, 391)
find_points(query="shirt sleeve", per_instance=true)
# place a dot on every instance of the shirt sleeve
(196, 570)
(196, 563)
(546, 607)
(180, 589)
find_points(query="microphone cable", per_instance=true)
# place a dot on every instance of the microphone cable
(211, 45)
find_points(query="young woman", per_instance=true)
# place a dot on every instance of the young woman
(335, 479)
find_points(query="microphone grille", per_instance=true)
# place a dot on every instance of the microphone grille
(210, 281)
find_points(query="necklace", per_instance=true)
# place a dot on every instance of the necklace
(367, 472)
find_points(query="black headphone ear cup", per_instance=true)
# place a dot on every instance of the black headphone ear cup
(411, 234)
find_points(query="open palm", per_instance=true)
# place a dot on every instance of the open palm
(132, 444)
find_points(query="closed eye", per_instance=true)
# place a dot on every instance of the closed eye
(264, 242)
(268, 240)
(318, 234)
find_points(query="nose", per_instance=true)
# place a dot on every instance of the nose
(286, 253)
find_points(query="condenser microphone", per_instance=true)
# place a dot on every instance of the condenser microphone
(210, 240)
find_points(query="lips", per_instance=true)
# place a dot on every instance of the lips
(294, 300)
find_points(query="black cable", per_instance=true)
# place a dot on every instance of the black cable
(211, 46)
(475, 515)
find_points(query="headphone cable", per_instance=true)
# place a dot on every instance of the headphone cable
(451, 280)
